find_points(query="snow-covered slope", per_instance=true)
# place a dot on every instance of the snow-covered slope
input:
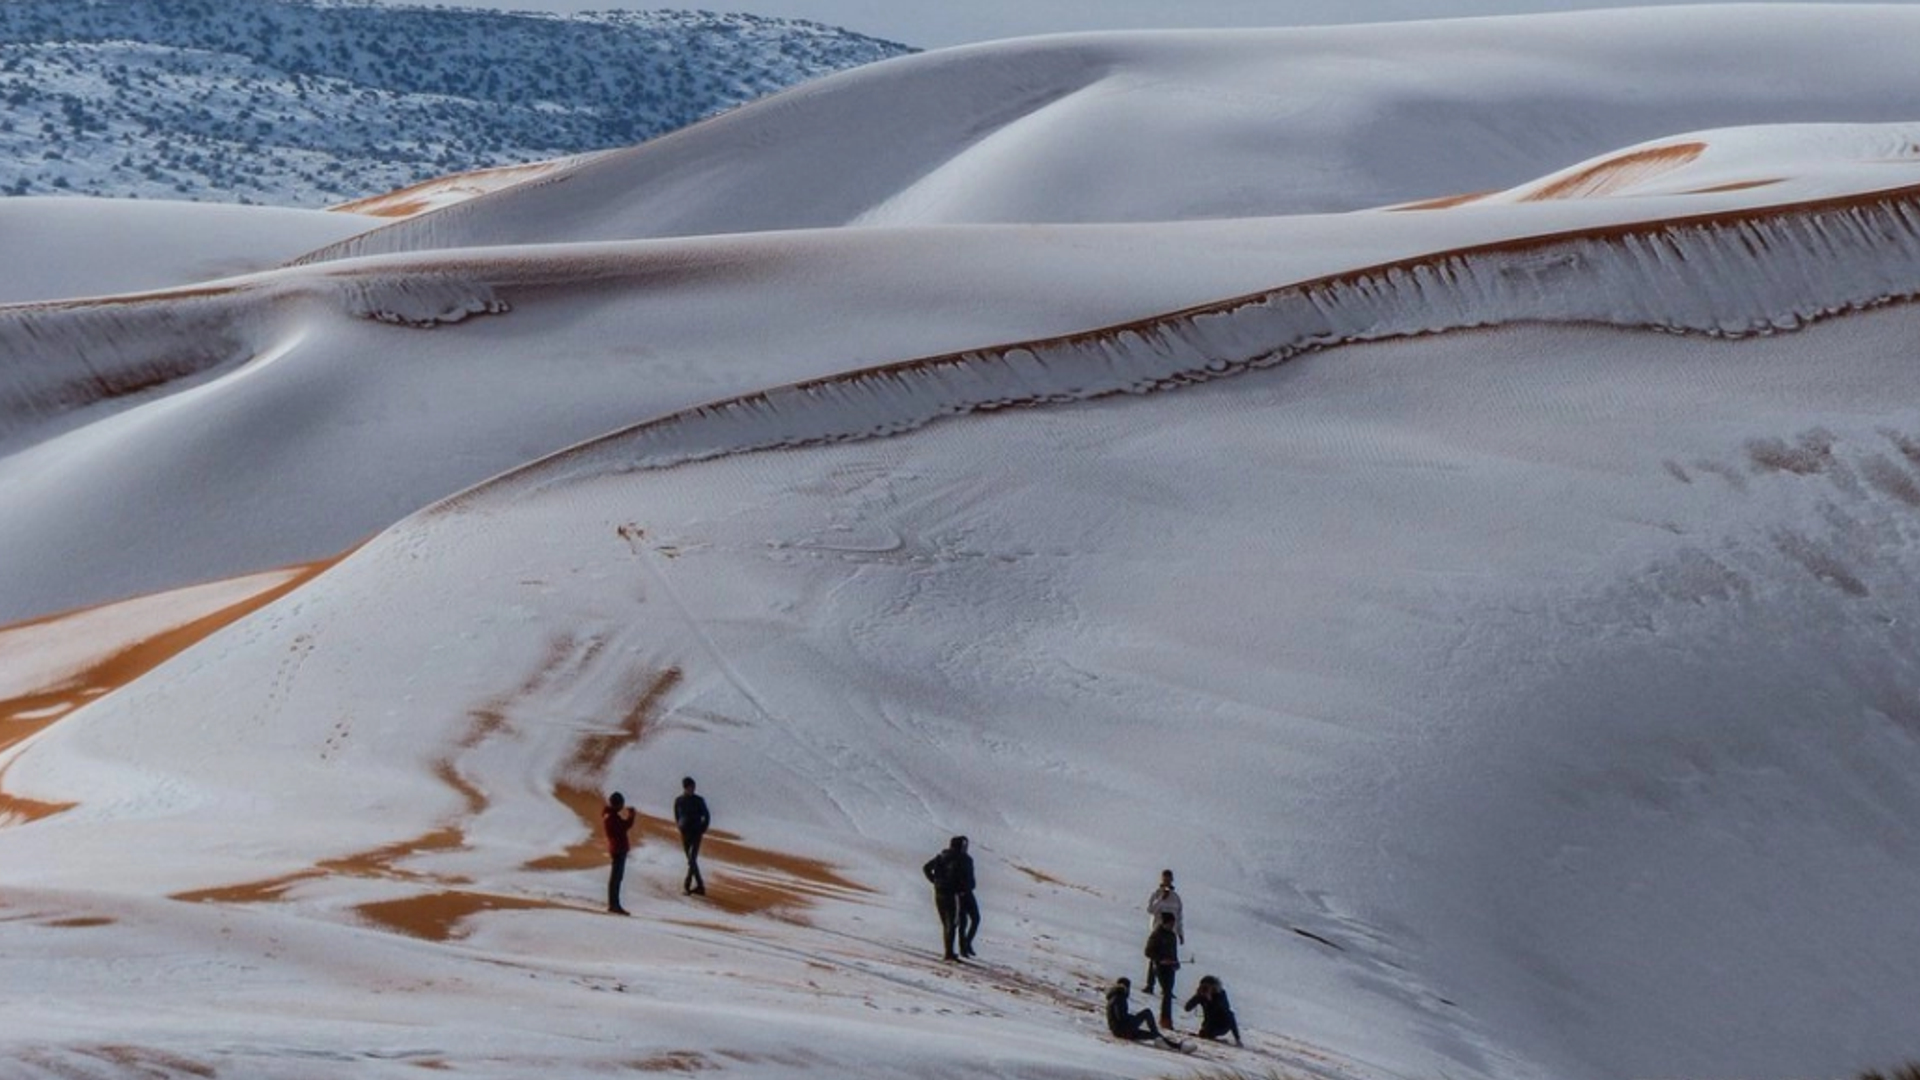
(86, 247)
(1151, 127)
(1497, 613)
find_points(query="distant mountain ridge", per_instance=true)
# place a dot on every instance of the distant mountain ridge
(310, 102)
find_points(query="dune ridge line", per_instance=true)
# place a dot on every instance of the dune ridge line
(1729, 274)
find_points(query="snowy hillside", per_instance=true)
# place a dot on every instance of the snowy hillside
(1482, 569)
(303, 104)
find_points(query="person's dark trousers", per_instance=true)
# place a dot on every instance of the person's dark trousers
(968, 913)
(1166, 974)
(948, 905)
(691, 843)
(614, 879)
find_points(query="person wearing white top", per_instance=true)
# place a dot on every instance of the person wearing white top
(1165, 901)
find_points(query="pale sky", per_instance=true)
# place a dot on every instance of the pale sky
(934, 23)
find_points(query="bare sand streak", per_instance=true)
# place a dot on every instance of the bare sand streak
(26, 715)
(1606, 177)
(764, 881)
(432, 194)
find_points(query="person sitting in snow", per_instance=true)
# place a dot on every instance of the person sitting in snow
(1216, 1013)
(1129, 1025)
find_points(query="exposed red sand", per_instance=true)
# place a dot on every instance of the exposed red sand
(26, 715)
(441, 191)
(1048, 879)
(1444, 201)
(758, 881)
(1737, 185)
(118, 1060)
(251, 892)
(1615, 173)
(437, 916)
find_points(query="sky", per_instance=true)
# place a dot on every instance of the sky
(937, 23)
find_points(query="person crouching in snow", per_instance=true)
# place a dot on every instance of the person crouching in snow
(1216, 1013)
(1129, 1025)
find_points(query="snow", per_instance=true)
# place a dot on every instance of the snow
(96, 247)
(1084, 128)
(1497, 614)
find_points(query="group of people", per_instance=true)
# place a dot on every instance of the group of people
(1168, 933)
(950, 872)
(690, 816)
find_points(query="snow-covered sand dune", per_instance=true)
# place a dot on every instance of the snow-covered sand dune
(98, 247)
(1520, 676)
(1200, 124)
(122, 410)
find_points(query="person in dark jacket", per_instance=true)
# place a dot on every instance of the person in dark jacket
(951, 872)
(1164, 899)
(1163, 952)
(690, 814)
(1216, 1013)
(616, 819)
(1133, 1026)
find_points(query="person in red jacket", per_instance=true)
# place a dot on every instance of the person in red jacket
(617, 819)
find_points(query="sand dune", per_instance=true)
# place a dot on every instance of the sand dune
(1184, 126)
(1498, 615)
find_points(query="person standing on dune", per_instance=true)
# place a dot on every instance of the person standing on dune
(690, 814)
(1164, 900)
(1163, 954)
(616, 818)
(951, 874)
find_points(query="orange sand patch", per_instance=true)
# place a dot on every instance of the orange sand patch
(252, 892)
(1444, 202)
(764, 881)
(675, 1061)
(593, 755)
(589, 764)
(128, 1061)
(761, 880)
(442, 191)
(1613, 174)
(15, 810)
(1049, 879)
(1737, 185)
(26, 715)
(434, 915)
(381, 863)
(80, 922)
(437, 916)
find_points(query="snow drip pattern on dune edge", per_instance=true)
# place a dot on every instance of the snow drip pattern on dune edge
(1726, 275)
(81, 352)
